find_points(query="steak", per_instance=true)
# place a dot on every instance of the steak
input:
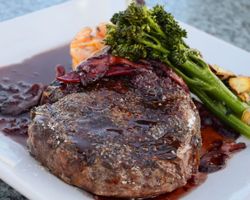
(127, 130)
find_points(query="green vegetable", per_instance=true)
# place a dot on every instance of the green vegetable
(142, 33)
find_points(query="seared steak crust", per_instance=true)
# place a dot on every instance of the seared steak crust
(124, 136)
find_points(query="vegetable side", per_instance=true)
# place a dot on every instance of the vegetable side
(142, 33)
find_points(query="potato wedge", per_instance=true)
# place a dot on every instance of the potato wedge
(246, 116)
(240, 84)
(222, 73)
(245, 97)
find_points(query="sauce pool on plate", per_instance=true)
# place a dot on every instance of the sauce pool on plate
(22, 84)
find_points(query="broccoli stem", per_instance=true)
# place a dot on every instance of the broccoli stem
(196, 68)
(154, 33)
(221, 112)
(198, 87)
(155, 46)
(215, 87)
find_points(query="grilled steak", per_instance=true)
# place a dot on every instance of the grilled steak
(125, 132)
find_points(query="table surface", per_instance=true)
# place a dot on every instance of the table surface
(228, 20)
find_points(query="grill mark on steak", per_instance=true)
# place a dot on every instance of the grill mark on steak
(123, 136)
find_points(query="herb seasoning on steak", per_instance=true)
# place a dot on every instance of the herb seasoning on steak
(218, 140)
(131, 130)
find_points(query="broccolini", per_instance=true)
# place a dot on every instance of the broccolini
(142, 33)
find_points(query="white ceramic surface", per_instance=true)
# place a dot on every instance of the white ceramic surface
(29, 35)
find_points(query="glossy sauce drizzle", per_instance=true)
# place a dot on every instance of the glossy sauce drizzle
(16, 80)
(218, 140)
(212, 142)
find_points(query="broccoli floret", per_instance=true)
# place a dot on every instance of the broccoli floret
(142, 33)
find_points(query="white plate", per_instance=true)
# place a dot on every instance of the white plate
(26, 36)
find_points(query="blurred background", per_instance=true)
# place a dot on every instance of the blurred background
(228, 20)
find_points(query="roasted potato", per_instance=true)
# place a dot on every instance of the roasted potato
(221, 73)
(240, 84)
